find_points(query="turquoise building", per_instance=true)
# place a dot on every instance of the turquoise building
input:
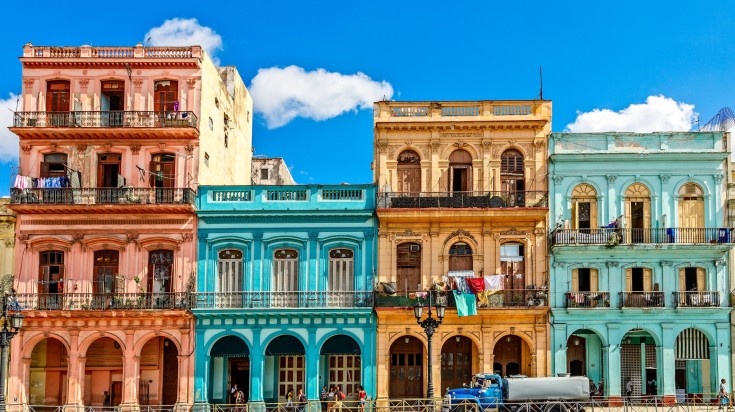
(638, 261)
(284, 291)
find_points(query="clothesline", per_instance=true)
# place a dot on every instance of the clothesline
(27, 182)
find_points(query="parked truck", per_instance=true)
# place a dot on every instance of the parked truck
(519, 394)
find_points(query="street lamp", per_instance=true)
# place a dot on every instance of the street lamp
(429, 325)
(11, 324)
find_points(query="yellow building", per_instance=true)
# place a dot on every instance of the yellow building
(462, 191)
(7, 238)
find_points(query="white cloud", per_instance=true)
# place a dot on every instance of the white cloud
(185, 32)
(8, 139)
(282, 94)
(657, 114)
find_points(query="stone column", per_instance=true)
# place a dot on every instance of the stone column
(559, 348)
(201, 368)
(75, 380)
(665, 355)
(131, 374)
(256, 369)
(312, 368)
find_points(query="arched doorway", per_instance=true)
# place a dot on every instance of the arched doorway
(691, 213)
(103, 372)
(286, 362)
(159, 372)
(638, 363)
(460, 257)
(456, 362)
(341, 354)
(409, 173)
(460, 171)
(230, 365)
(695, 364)
(509, 353)
(637, 213)
(49, 368)
(406, 368)
(584, 355)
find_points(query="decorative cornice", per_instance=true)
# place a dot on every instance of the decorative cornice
(382, 145)
(612, 264)
(558, 179)
(459, 233)
(719, 177)
(665, 178)
(407, 233)
(257, 235)
(26, 148)
(135, 149)
(313, 235)
(611, 178)
(189, 148)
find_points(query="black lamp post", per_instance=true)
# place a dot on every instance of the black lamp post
(11, 324)
(429, 325)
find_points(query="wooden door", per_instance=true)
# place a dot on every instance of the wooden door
(409, 179)
(166, 96)
(408, 268)
(58, 96)
(456, 363)
(116, 393)
(108, 170)
(460, 257)
(162, 170)
(171, 373)
(406, 368)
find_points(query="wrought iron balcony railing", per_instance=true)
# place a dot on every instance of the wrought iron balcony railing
(614, 237)
(97, 195)
(642, 299)
(587, 299)
(288, 300)
(508, 298)
(484, 200)
(100, 301)
(104, 119)
(697, 299)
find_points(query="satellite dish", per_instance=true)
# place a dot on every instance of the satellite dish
(496, 201)
(389, 288)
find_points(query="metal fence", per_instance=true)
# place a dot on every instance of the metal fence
(105, 196)
(483, 200)
(111, 118)
(295, 299)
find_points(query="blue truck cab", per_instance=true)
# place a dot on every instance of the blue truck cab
(484, 391)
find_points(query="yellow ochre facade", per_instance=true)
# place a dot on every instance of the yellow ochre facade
(462, 187)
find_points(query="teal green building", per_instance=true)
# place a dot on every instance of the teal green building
(284, 291)
(638, 261)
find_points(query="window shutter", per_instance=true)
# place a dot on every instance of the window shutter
(575, 280)
(594, 280)
(646, 213)
(44, 169)
(575, 214)
(628, 280)
(647, 279)
(593, 214)
(682, 280)
(701, 282)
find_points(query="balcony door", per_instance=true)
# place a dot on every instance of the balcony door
(460, 257)
(229, 278)
(691, 214)
(408, 267)
(341, 279)
(160, 276)
(460, 171)
(512, 177)
(51, 279)
(163, 176)
(638, 212)
(285, 281)
(58, 103)
(105, 270)
(409, 173)
(112, 103)
(166, 96)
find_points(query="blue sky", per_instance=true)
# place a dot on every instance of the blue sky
(595, 55)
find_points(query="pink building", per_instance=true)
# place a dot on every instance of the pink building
(114, 141)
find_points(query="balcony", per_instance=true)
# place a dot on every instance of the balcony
(282, 300)
(462, 200)
(509, 298)
(697, 299)
(641, 299)
(292, 198)
(587, 300)
(614, 237)
(124, 198)
(94, 301)
(486, 110)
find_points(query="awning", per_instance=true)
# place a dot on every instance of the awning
(692, 344)
(230, 347)
(340, 345)
(285, 345)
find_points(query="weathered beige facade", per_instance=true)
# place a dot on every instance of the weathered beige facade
(7, 237)
(271, 171)
(461, 184)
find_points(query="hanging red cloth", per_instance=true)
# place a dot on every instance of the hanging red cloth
(476, 285)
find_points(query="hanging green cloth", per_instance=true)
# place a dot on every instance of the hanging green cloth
(466, 305)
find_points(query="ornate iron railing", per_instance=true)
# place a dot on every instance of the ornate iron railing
(697, 299)
(270, 299)
(97, 195)
(484, 200)
(105, 119)
(100, 301)
(587, 299)
(642, 299)
(613, 237)
(507, 298)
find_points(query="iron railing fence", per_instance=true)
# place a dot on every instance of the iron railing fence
(483, 200)
(587, 299)
(615, 236)
(697, 299)
(105, 119)
(105, 196)
(294, 299)
(100, 301)
(507, 298)
(631, 299)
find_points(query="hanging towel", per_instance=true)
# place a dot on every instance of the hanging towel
(494, 283)
(465, 303)
(458, 279)
(476, 285)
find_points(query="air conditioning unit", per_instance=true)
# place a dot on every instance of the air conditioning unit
(414, 248)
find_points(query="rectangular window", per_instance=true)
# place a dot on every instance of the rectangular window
(264, 174)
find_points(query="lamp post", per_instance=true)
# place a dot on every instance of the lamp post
(429, 325)
(11, 324)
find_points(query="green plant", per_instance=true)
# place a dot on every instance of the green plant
(613, 240)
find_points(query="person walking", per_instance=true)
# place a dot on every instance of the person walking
(323, 398)
(107, 398)
(289, 398)
(339, 396)
(628, 389)
(723, 395)
(362, 398)
(330, 399)
(233, 393)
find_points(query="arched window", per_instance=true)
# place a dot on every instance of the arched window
(460, 171)
(460, 257)
(691, 207)
(512, 265)
(584, 208)
(285, 270)
(229, 271)
(409, 172)
(638, 212)
(512, 178)
(341, 270)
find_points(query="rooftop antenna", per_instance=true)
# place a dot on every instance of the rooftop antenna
(147, 41)
(723, 121)
(541, 83)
